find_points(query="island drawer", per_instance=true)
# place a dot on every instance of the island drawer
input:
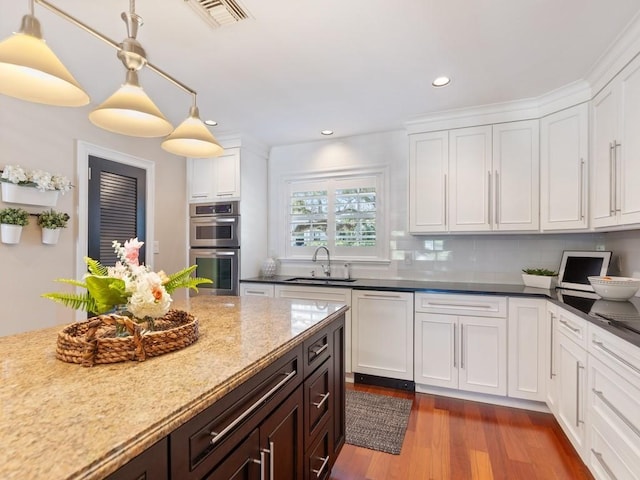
(317, 349)
(318, 398)
(204, 441)
(320, 457)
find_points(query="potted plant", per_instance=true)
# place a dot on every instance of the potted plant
(539, 277)
(51, 223)
(11, 222)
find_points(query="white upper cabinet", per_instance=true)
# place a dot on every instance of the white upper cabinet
(615, 174)
(470, 169)
(494, 177)
(213, 179)
(516, 166)
(428, 169)
(564, 146)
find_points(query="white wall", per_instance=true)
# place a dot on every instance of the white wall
(466, 258)
(40, 136)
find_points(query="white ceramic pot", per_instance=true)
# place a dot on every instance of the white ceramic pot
(50, 236)
(10, 233)
(539, 281)
(12, 193)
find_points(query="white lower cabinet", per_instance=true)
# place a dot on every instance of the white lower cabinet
(465, 352)
(572, 385)
(527, 346)
(613, 432)
(323, 294)
(257, 290)
(383, 333)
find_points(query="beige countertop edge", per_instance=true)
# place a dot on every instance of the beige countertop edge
(123, 453)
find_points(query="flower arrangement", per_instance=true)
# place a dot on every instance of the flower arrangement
(14, 216)
(53, 219)
(129, 288)
(39, 179)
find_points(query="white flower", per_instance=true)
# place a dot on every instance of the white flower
(149, 297)
(14, 174)
(39, 178)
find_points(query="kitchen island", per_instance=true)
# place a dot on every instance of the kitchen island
(65, 421)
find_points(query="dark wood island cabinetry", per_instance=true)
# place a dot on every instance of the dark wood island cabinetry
(285, 423)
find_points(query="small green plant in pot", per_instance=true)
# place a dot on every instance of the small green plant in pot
(51, 223)
(11, 222)
(539, 277)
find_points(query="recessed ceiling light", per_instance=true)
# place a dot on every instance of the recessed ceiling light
(327, 132)
(441, 82)
(211, 123)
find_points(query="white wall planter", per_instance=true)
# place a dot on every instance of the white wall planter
(10, 233)
(539, 281)
(12, 193)
(50, 236)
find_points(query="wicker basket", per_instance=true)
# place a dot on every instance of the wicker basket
(94, 341)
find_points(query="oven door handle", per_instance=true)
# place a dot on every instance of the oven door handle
(222, 253)
(214, 220)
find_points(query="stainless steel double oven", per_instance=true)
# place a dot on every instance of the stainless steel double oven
(214, 235)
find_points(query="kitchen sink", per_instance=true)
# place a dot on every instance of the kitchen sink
(319, 280)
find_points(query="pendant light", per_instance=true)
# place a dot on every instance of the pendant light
(130, 111)
(29, 70)
(192, 138)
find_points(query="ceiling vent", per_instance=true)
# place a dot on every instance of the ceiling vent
(219, 13)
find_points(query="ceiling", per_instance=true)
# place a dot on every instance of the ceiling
(354, 66)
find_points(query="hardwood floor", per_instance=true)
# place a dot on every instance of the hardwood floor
(450, 439)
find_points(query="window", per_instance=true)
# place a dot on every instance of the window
(342, 212)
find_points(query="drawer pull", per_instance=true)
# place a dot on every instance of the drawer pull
(569, 326)
(483, 306)
(319, 404)
(615, 410)
(380, 295)
(320, 350)
(325, 460)
(261, 462)
(255, 292)
(218, 436)
(616, 356)
(601, 461)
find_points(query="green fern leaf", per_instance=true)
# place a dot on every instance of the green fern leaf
(183, 279)
(76, 301)
(95, 267)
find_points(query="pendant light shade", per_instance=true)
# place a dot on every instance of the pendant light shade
(29, 70)
(192, 139)
(130, 111)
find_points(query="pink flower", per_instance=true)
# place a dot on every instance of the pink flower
(132, 249)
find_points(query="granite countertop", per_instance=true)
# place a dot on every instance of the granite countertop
(65, 421)
(584, 308)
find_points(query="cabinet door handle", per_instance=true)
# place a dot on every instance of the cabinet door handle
(578, 368)
(615, 164)
(461, 346)
(263, 452)
(325, 460)
(199, 195)
(581, 189)
(498, 199)
(455, 346)
(551, 374)
(612, 186)
(445, 200)
(219, 436)
(617, 412)
(261, 463)
(569, 326)
(602, 347)
(255, 292)
(319, 404)
(489, 197)
(601, 461)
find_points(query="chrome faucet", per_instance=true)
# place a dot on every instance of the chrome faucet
(325, 268)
